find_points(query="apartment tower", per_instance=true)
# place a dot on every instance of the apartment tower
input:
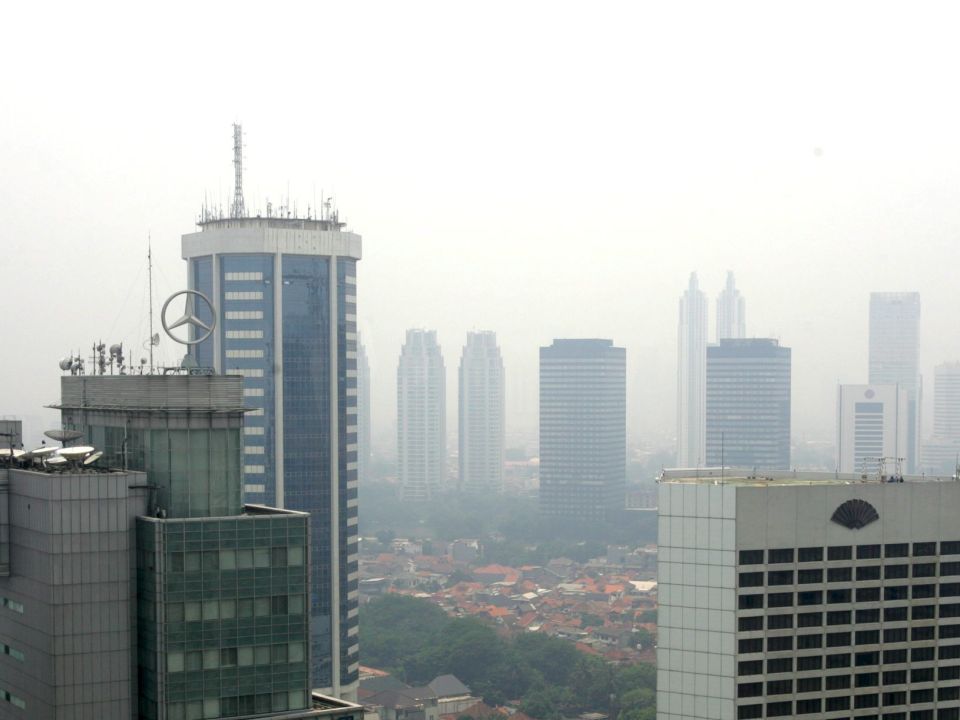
(481, 415)
(691, 376)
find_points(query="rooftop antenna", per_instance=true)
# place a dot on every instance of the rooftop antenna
(150, 290)
(237, 210)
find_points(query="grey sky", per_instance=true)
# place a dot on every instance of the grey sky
(537, 169)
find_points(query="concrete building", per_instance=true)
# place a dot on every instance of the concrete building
(895, 355)
(421, 416)
(942, 450)
(871, 424)
(582, 429)
(748, 404)
(807, 595)
(731, 312)
(691, 376)
(482, 415)
(68, 618)
(364, 417)
(285, 292)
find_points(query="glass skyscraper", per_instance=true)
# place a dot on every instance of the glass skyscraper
(284, 290)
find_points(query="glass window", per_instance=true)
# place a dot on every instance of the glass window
(175, 612)
(280, 701)
(261, 606)
(868, 551)
(780, 555)
(746, 624)
(261, 557)
(194, 661)
(278, 557)
(810, 554)
(245, 656)
(191, 562)
(296, 652)
(298, 699)
(894, 550)
(839, 552)
(261, 655)
(245, 559)
(923, 549)
(174, 662)
(295, 555)
(211, 609)
(191, 611)
(211, 659)
(245, 607)
(295, 605)
(176, 562)
(228, 609)
(228, 657)
(211, 707)
(279, 653)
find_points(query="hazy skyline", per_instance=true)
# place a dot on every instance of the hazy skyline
(539, 171)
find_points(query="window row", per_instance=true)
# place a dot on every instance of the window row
(237, 706)
(11, 605)
(837, 704)
(847, 595)
(917, 654)
(14, 700)
(200, 610)
(808, 663)
(845, 552)
(243, 276)
(230, 559)
(847, 574)
(243, 295)
(244, 656)
(861, 616)
(11, 652)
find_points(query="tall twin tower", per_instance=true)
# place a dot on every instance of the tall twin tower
(284, 289)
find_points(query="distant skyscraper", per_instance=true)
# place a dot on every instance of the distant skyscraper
(895, 354)
(871, 424)
(364, 448)
(691, 356)
(421, 416)
(481, 432)
(582, 429)
(748, 404)
(285, 292)
(942, 451)
(731, 312)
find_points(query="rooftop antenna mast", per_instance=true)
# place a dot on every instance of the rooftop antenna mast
(150, 290)
(237, 211)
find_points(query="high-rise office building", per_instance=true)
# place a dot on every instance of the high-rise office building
(421, 416)
(285, 291)
(482, 415)
(582, 429)
(152, 592)
(691, 376)
(810, 595)
(941, 452)
(364, 448)
(731, 311)
(871, 428)
(895, 355)
(748, 404)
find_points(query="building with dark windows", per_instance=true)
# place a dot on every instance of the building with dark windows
(748, 404)
(284, 290)
(895, 355)
(421, 417)
(816, 595)
(482, 415)
(582, 429)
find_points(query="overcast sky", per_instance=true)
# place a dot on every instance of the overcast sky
(538, 169)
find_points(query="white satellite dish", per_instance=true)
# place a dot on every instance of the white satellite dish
(76, 453)
(5, 452)
(92, 458)
(44, 451)
(56, 461)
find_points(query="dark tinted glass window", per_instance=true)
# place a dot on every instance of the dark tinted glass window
(919, 675)
(750, 602)
(870, 679)
(810, 554)
(779, 665)
(894, 614)
(838, 596)
(838, 639)
(808, 642)
(924, 591)
(950, 547)
(868, 594)
(948, 672)
(813, 575)
(810, 597)
(950, 610)
(838, 682)
(835, 704)
(776, 600)
(949, 589)
(865, 701)
(838, 617)
(806, 706)
(746, 624)
(947, 652)
(809, 662)
(894, 677)
(868, 572)
(777, 644)
(923, 549)
(894, 656)
(779, 622)
(867, 637)
(753, 689)
(895, 571)
(949, 631)
(749, 712)
(866, 552)
(750, 645)
(779, 709)
(868, 616)
(839, 552)
(948, 693)
(949, 568)
(780, 555)
(750, 667)
(921, 696)
(922, 633)
(895, 635)
(751, 557)
(861, 659)
(812, 684)
(780, 577)
(840, 574)
(895, 592)
(921, 570)
(779, 687)
(751, 579)
(838, 661)
(894, 698)
(809, 619)
(923, 654)
(896, 550)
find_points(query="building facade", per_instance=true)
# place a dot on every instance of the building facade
(748, 404)
(284, 291)
(421, 417)
(691, 376)
(582, 429)
(482, 415)
(811, 595)
(364, 417)
(871, 427)
(731, 311)
(895, 355)
(942, 450)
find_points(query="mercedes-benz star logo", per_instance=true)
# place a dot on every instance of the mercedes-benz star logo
(201, 330)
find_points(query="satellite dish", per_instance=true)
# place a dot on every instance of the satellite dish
(76, 453)
(63, 435)
(56, 461)
(65, 363)
(5, 452)
(92, 458)
(116, 349)
(43, 451)
(155, 340)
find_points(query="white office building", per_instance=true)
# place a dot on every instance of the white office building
(808, 595)
(482, 415)
(871, 425)
(691, 376)
(941, 452)
(421, 416)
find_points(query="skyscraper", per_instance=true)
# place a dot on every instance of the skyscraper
(807, 595)
(364, 448)
(895, 354)
(942, 451)
(582, 429)
(421, 416)
(731, 312)
(691, 369)
(285, 290)
(748, 404)
(871, 424)
(482, 415)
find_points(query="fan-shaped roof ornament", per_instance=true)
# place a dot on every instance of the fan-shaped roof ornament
(855, 514)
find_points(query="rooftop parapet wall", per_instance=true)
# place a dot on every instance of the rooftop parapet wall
(213, 393)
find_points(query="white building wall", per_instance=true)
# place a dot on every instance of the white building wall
(872, 422)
